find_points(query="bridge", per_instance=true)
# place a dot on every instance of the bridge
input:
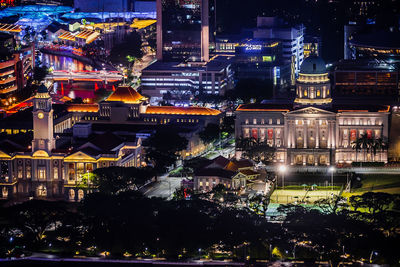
(87, 76)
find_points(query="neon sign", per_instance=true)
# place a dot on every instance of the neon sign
(253, 47)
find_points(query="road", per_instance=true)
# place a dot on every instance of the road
(164, 187)
(60, 75)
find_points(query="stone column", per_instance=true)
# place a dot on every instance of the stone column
(317, 134)
(329, 134)
(305, 133)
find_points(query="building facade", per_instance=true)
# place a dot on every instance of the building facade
(15, 67)
(182, 30)
(185, 80)
(292, 38)
(313, 130)
(45, 168)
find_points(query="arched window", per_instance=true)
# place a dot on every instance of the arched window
(71, 194)
(81, 194)
(305, 92)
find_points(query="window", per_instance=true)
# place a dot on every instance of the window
(81, 194)
(201, 183)
(71, 194)
(19, 172)
(247, 121)
(55, 173)
(270, 121)
(42, 173)
(305, 92)
(278, 121)
(318, 93)
(254, 121)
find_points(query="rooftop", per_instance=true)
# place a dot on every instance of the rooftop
(378, 40)
(218, 63)
(171, 110)
(127, 95)
(313, 65)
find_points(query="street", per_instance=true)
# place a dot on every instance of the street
(164, 187)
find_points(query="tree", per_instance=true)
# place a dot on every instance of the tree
(114, 180)
(210, 133)
(32, 220)
(255, 149)
(128, 51)
(39, 74)
(163, 148)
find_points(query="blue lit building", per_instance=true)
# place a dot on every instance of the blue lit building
(261, 59)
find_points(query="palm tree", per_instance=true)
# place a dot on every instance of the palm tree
(363, 143)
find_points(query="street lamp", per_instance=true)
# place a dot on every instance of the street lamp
(282, 169)
(332, 170)
(373, 253)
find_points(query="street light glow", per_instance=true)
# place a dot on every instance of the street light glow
(282, 168)
(332, 169)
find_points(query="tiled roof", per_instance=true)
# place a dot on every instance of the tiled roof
(171, 110)
(127, 95)
(208, 172)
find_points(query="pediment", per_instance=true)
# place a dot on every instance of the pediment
(4, 155)
(79, 156)
(311, 110)
(40, 153)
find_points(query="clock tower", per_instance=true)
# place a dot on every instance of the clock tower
(43, 136)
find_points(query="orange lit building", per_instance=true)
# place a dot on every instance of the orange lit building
(15, 68)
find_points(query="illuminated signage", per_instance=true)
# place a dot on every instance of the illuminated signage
(253, 47)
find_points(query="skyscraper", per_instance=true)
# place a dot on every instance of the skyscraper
(182, 30)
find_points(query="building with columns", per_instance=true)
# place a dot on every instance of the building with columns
(314, 130)
(52, 166)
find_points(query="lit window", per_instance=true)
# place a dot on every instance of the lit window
(42, 173)
(55, 173)
(278, 121)
(305, 92)
(318, 93)
(254, 121)
(270, 121)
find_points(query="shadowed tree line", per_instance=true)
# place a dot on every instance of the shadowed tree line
(121, 221)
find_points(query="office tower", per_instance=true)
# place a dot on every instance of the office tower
(182, 30)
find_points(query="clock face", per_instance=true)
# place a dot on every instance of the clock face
(40, 115)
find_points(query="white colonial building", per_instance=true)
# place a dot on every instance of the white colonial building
(314, 130)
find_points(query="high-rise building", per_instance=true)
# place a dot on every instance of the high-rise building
(182, 30)
(292, 37)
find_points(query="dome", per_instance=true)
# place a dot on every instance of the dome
(42, 89)
(313, 65)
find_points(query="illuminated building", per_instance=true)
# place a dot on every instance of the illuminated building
(366, 79)
(50, 167)
(261, 59)
(16, 66)
(313, 130)
(232, 174)
(377, 45)
(182, 30)
(313, 86)
(271, 28)
(187, 79)
(311, 46)
(104, 5)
